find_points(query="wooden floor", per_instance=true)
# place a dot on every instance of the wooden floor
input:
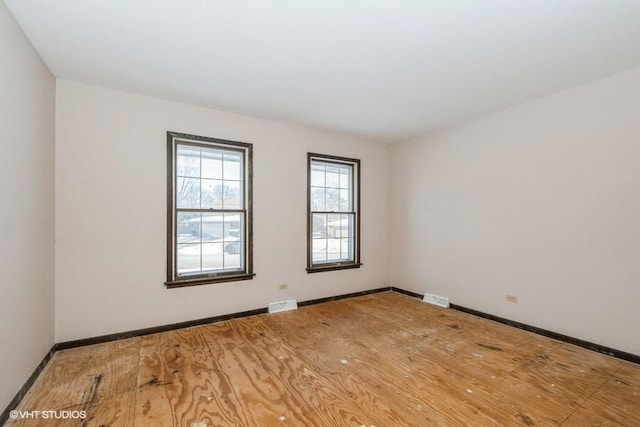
(379, 360)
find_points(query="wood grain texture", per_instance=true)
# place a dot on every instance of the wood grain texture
(618, 399)
(384, 359)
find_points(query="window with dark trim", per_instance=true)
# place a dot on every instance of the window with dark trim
(333, 213)
(209, 218)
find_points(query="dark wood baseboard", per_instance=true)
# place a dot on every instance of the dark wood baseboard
(402, 291)
(343, 296)
(550, 334)
(155, 329)
(27, 385)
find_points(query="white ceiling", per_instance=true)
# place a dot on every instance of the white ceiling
(388, 70)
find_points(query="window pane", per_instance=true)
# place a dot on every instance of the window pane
(345, 247)
(233, 241)
(212, 164)
(333, 226)
(346, 223)
(188, 258)
(232, 168)
(188, 227)
(212, 227)
(233, 227)
(233, 254)
(333, 249)
(317, 199)
(345, 178)
(317, 175)
(333, 177)
(188, 161)
(211, 194)
(232, 193)
(345, 201)
(319, 250)
(333, 200)
(188, 193)
(319, 226)
(212, 257)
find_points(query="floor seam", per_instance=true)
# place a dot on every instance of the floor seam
(581, 404)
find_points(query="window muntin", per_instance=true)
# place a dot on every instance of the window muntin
(209, 210)
(333, 213)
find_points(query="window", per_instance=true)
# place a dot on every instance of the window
(333, 205)
(209, 222)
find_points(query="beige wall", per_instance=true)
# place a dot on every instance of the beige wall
(541, 201)
(26, 208)
(111, 210)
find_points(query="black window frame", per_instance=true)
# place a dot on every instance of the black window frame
(356, 191)
(173, 279)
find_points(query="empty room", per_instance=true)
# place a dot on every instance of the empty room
(361, 213)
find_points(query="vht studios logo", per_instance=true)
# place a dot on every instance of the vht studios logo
(48, 415)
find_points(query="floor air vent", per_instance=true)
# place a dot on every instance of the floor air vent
(280, 306)
(436, 300)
